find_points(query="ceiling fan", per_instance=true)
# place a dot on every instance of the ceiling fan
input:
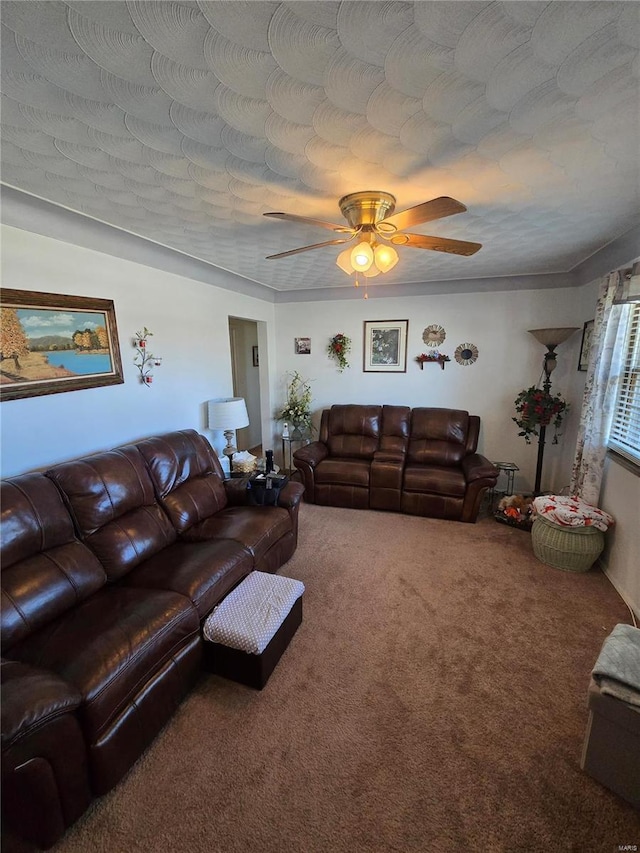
(371, 217)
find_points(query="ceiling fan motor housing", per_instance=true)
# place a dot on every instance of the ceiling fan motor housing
(367, 208)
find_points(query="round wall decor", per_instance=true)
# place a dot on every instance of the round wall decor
(434, 335)
(466, 353)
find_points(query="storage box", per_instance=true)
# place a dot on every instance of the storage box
(572, 549)
(611, 751)
(241, 612)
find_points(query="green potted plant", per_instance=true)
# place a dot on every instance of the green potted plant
(339, 347)
(536, 407)
(297, 409)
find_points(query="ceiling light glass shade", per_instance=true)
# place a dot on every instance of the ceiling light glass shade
(372, 272)
(553, 337)
(385, 258)
(362, 257)
(344, 261)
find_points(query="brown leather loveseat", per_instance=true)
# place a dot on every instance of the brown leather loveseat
(110, 564)
(421, 461)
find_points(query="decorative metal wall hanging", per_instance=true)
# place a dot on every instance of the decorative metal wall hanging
(144, 359)
(434, 335)
(466, 354)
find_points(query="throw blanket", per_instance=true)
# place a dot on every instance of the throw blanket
(617, 669)
(571, 512)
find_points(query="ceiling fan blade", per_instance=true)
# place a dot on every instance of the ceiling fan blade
(437, 208)
(436, 244)
(291, 217)
(308, 248)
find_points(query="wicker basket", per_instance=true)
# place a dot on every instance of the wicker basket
(572, 549)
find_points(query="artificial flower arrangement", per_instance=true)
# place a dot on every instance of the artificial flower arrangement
(339, 347)
(433, 355)
(297, 409)
(536, 407)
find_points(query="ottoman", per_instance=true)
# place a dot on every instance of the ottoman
(247, 633)
(567, 532)
(611, 752)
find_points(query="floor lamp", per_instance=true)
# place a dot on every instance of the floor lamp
(228, 414)
(550, 338)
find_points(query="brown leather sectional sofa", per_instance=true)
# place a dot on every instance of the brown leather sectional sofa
(110, 564)
(421, 461)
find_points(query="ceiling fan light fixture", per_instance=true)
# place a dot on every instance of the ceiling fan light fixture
(344, 261)
(362, 257)
(385, 258)
(372, 272)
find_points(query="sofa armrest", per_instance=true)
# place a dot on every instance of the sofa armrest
(389, 456)
(32, 697)
(45, 779)
(291, 495)
(477, 467)
(311, 454)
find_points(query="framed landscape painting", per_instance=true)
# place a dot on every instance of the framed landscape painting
(385, 346)
(51, 343)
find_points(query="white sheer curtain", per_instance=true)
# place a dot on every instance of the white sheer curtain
(601, 389)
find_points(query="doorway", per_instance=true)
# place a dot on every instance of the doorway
(245, 372)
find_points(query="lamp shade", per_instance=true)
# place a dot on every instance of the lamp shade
(553, 337)
(228, 413)
(385, 257)
(344, 261)
(362, 257)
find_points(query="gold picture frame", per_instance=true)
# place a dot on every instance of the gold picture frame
(50, 343)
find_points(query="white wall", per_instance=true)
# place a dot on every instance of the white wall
(189, 321)
(509, 359)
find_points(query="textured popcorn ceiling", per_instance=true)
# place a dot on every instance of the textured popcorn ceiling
(183, 122)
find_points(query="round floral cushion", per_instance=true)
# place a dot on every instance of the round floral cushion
(570, 511)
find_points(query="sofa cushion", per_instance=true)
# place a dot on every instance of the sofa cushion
(257, 528)
(112, 500)
(435, 479)
(45, 569)
(187, 476)
(354, 431)
(110, 646)
(202, 571)
(438, 437)
(394, 437)
(347, 472)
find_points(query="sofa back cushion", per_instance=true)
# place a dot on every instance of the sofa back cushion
(438, 437)
(45, 569)
(354, 431)
(187, 476)
(394, 438)
(111, 498)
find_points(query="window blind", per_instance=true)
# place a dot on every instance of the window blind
(625, 429)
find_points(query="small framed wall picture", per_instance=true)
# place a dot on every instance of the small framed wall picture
(585, 347)
(302, 346)
(256, 356)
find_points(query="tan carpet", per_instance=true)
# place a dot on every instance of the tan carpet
(433, 699)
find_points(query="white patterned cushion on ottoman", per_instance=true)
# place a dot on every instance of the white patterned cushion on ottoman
(248, 631)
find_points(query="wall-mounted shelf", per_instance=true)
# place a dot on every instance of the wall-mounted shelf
(441, 360)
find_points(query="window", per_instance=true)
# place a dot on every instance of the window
(625, 428)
